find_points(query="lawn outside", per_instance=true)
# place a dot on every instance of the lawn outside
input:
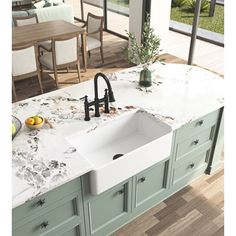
(123, 3)
(215, 23)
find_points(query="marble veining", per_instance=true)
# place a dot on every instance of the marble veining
(43, 159)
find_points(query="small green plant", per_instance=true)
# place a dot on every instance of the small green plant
(192, 3)
(178, 3)
(146, 52)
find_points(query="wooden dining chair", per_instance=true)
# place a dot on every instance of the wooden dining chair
(94, 29)
(25, 20)
(25, 65)
(65, 53)
(28, 20)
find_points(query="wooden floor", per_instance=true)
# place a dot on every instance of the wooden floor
(198, 209)
(114, 57)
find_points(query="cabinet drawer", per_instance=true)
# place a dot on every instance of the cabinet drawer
(104, 210)
(150, 183)
(186, 170)
(73, 232)
(45, 224)
(197, 125)
(193, 142)
(38, 205)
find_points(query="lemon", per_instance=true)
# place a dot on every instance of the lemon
(29, 121)
(13, 129)
(37, 120)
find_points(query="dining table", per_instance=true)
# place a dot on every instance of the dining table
(43, 31)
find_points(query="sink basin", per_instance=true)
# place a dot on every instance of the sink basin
(141, 138)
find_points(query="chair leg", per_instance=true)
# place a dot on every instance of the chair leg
(78, 70)
(14, 91)
(67, 69)
(101, 51)
(55, 76)
(41, 72)
(40, 82)
(89, 53)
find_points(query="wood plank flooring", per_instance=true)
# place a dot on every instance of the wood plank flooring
(196, 210)
(114, 57)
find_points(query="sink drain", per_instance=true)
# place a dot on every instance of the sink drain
(117, 156)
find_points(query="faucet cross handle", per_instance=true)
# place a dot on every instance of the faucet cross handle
(86, 108)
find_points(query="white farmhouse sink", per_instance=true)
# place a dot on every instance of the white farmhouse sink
(143, 139)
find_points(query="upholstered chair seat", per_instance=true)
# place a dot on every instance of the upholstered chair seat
(65, 52)
(25, 65)
(94, 29)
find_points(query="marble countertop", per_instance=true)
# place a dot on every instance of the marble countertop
(43, 159)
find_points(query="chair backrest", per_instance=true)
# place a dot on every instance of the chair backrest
(24, 60)
(25, 20)
(66, 49)
(95, 23)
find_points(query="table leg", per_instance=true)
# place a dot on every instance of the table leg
(84, 52)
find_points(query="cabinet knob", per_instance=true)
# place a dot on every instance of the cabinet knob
(200, 122)
(142, 179)
(120, 192)
(44, 225)
(195, 142)
(41, 202)
(192, 165)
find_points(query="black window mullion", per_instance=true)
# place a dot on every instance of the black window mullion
(82, 9)
(105, 14)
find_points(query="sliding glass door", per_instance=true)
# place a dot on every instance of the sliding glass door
(118, 16)
(95, 7)
(115, 12)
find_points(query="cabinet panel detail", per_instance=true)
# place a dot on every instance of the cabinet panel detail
(197, 125)
(194, 142)
(150, 183)
(49, 222)
(106, 209)
(187, 169)
(40, 205)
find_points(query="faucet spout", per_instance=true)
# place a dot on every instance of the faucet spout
(110, 92)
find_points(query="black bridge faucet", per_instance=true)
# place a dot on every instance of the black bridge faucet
(108, 97)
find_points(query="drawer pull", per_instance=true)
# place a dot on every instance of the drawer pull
(41, 202)
(200, 122)
(195, 142)
(141, 180)
(120, 192)
(191, 165)
(44, 225)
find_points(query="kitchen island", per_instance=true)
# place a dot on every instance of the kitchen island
(187, 99)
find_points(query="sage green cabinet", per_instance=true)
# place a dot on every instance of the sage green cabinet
(108, 210)
(43, 216)
(188, 170)
(193, 149)
(150, 185)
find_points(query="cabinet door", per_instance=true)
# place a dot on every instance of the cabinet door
(73, 232)
(107, 211)
(67, 230)
(150, 184)
(194, 166)
(44, 203)
(66, 215)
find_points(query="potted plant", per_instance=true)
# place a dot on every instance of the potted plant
(144, 53)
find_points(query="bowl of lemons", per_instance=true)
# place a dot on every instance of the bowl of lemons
(34, 122)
